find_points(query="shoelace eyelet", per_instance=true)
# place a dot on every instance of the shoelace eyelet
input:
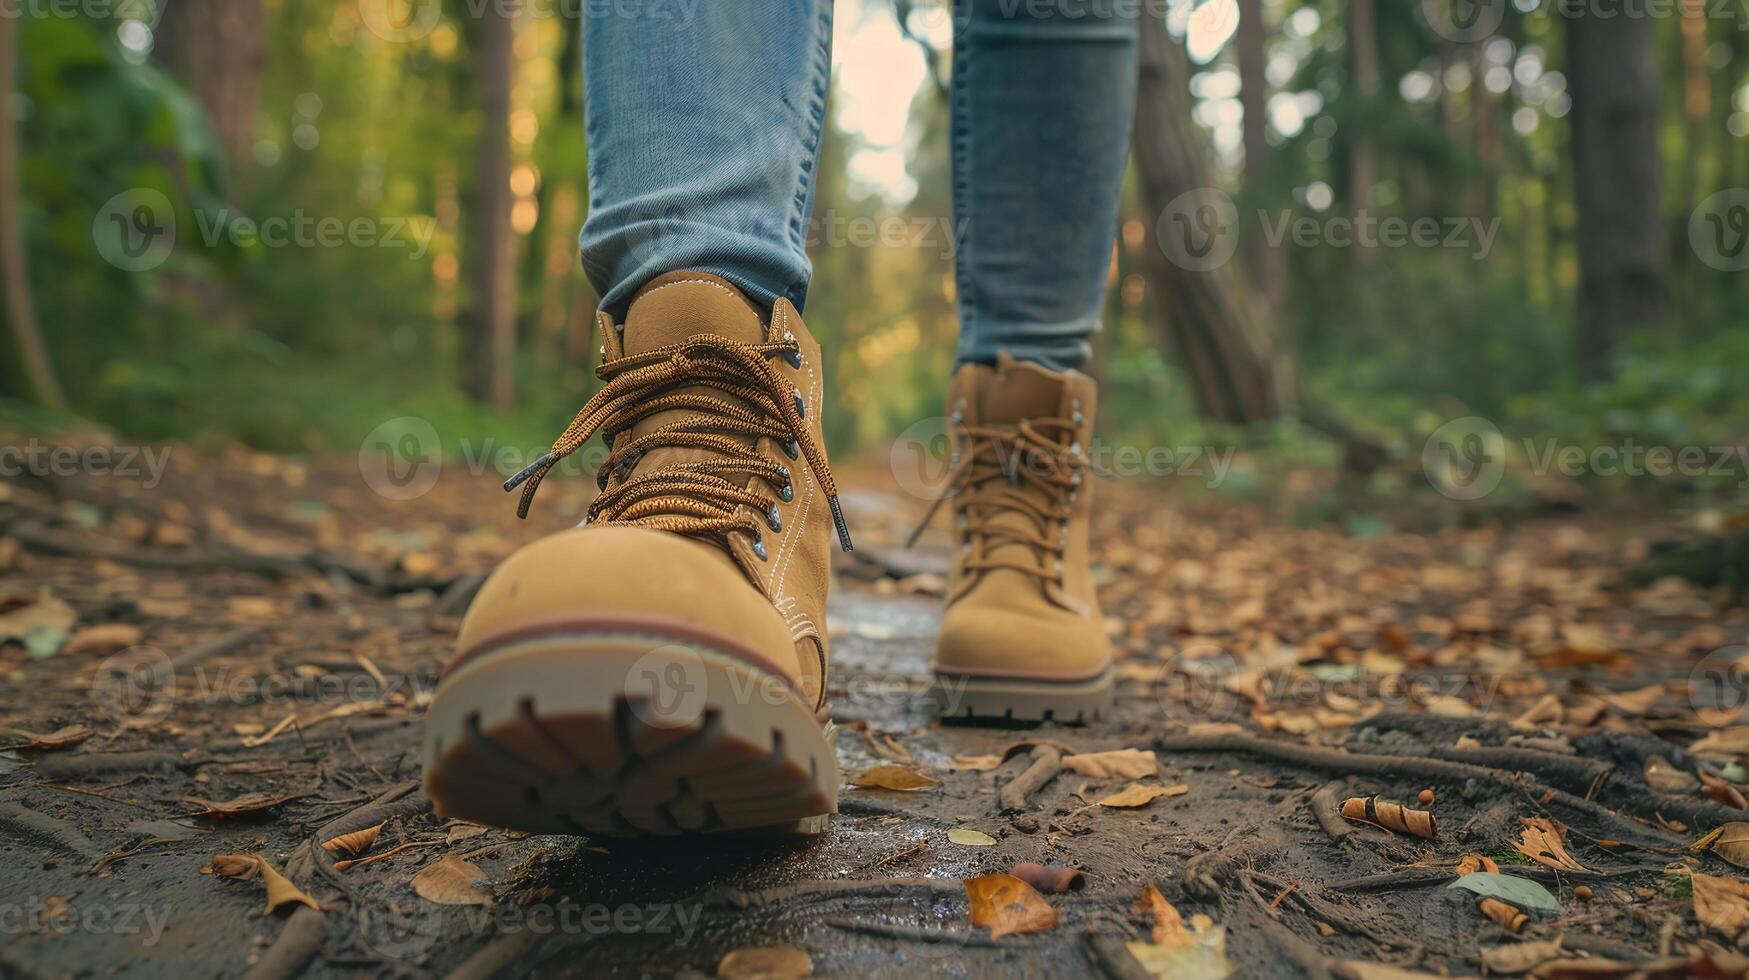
(801, 404)
(792, 449)
(759, 549)
(787, 492)
(774, 520)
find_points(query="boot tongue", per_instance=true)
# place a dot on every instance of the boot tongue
(681, 305)
(1017, 391)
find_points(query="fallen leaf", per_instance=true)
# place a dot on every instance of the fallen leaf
(354, 843)
(1359, 970)
(1545, 842)
(1718, 790)
(247, 803)
(280, 890)
(104, 639)
(1506, 916)
(1666, 778)
(892, 777)
(40, 626)
(977, 763)
(60, 738)
(1522, 892)
(451, 881)
(1472, 863)
(970, 838)
(1520, 957)
(1724, 745)
(1634, 703)
(1118, 763)
(1731, 842)
(1136, 795)
(766, 963)
(1721, 904)
(1166, 922)
(1004, 904)
(1049, 879)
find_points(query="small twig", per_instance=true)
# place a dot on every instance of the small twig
(391, 852)
(1327, 808)
(296, 945)
(1047, 761)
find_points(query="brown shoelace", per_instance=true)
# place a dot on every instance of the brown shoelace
(993, 475)
(696, 498)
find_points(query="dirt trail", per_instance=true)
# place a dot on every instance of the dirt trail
(254, 626)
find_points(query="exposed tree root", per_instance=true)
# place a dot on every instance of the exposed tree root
(1047, 761)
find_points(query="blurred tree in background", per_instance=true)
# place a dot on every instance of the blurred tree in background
(281, 222)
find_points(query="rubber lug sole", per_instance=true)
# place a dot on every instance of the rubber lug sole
(625, 735)
(962, 697)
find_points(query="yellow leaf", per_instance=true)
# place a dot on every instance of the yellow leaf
(1004, 904)
(1168, 924)
(1731, 842)
(892, 777)
(971, 838)
(1119, 764)
(1136, 795)
(451, 881)
(280, 891)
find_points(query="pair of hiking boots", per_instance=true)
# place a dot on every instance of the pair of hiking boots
(661, 669)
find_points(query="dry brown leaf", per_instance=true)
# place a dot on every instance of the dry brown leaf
(280, 890)
(1724, 745)
(1721, 904)
(1520, 957)
(354, 843)
(1472, 863)
(102, 640)
(1666, 778)
(1136, 795)
(766, 963)
(1004, 904)
(1116, 764)
(1544, 712)
(976, 763)
(892, 777)
(247, 803)
(1166, 924)
(1731, 842)
(1545, 842)
(60, 738)
(1634, 703)
(969, 837)
(42, 614)
(451, 881)
(1714, 788)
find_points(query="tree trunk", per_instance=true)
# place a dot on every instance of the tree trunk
(1212, 322)
(1617, 183)
(14, 264)
(1267, 264)
(1363, 46)
(491, 317)
(217, 49)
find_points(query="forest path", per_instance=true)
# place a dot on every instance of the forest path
(257, 639)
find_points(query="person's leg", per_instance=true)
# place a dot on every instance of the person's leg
(703, 123)
(1042, 98)
(602, 675)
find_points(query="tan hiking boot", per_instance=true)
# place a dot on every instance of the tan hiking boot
(1022, 638)
(662, 668)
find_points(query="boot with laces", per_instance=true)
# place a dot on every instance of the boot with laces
(661, 669)
(1022, 638)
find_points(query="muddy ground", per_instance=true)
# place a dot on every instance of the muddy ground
(254, 625)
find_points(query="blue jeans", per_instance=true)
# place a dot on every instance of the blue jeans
(704, 126)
